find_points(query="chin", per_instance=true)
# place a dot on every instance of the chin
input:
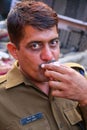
(44, 79)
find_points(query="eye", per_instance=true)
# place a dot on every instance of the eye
(54, 42)
(35, 46)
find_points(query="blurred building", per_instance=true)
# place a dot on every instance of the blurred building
(5, 6)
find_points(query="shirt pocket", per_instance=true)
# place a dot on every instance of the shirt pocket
(38, 124)
(74, 118)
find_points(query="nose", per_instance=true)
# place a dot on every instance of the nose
(47, 54)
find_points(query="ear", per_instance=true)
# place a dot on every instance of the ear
(12, 49)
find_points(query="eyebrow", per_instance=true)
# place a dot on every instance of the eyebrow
(55, 38)
(39, 41)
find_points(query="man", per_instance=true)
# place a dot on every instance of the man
(36, 94)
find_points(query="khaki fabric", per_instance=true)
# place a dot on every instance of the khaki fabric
(24, 107)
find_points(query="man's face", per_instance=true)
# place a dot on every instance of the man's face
(35, 48)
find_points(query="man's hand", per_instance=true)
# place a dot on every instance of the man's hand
(65, 82)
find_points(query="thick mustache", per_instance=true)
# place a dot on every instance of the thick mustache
(47, 62)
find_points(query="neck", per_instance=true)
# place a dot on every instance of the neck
(44, 87)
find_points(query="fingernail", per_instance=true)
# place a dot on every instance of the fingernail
(42, 65)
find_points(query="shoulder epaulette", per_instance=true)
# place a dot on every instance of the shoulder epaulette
(77, 67)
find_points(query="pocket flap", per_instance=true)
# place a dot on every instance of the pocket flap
(73, 116)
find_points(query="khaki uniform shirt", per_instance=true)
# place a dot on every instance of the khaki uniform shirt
(24, 107)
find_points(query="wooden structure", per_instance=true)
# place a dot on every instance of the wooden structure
(73, 33)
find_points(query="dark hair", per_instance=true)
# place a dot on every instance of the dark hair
(36, 14)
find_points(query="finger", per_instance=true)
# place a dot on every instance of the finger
(63, 94)
(58, 93)
(55, 75)
(58, 68)
(56, 85)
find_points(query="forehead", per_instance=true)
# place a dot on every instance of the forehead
(33, 34)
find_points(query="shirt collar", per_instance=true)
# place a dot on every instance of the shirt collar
(14, 77)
